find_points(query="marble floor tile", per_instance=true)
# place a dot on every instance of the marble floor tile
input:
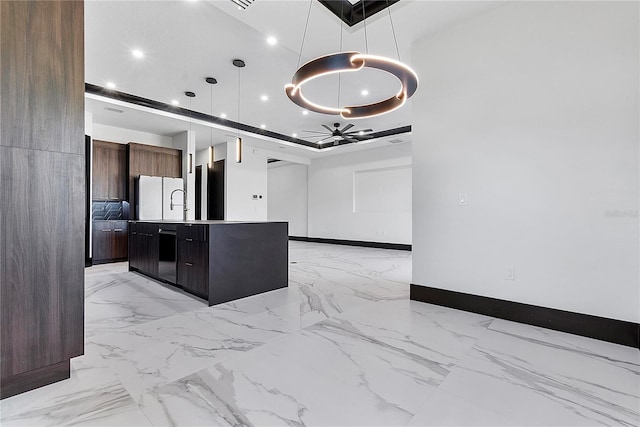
(445, 409)
(92, 397)
(118, 301)
(342, 345)
(534, 377)
(280, 383)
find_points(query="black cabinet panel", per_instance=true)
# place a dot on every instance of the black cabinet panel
(248, 259)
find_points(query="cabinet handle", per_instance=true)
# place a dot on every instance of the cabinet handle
(188, 264)
(106, 231)
(117, 229)
(189, 240)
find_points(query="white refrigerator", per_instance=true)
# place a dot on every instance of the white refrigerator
(153, 198)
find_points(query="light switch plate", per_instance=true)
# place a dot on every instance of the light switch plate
(462, 199)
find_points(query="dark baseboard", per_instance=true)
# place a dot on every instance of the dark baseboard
(601, 328)
(31, 380)
(108, 261)
(379, 245)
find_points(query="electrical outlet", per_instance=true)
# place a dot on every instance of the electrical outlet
(462, 199)
(509, 273)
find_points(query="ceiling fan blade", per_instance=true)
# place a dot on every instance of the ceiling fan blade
(328, 128)
(315, 131)
(350, 139)
(347, 127)
(324, 139)
(355, 132)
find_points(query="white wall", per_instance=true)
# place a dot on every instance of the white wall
(532, 111)
(287, 191)
(340, 205)
(124, 136)
(242, 181)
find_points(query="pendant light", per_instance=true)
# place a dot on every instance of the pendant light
(352, 61)
(239, 63)
(190, 95)
(211, 82)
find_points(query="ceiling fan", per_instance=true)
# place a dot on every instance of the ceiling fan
(336, 134)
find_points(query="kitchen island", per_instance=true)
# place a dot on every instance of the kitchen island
(219, 261)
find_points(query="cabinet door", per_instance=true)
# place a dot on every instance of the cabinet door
(119, 237)
(101, 242)
(100, 184)
(151, 252)
(193, 263)
(134, 247)
(117, 177)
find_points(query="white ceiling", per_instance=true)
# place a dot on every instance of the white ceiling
(185, 41)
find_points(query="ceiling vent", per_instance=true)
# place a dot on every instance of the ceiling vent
(113, 110)
(243, 4)
(396, 141)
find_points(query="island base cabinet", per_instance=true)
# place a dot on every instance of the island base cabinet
(217, 260)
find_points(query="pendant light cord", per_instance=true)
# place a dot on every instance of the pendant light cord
(341, 31)
(304, 35)
(393, 30)
(238, 101)
(211, 127)
(364, 19)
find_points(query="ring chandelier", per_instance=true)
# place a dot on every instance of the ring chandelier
(353, 62)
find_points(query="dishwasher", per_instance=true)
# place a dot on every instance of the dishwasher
(167, 259)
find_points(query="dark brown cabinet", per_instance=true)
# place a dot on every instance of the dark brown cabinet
(110, 241)
(109, 171)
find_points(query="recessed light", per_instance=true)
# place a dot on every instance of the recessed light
(223, 115)
(239, 8)
(295, 135)
(111, 85)
(272, 41)
(137, 53)
(263, 126)
(361, 132)
(364, 92)
(264, 98)
(175, 102)
(305, 112)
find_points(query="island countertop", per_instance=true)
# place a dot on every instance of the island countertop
(202, 221)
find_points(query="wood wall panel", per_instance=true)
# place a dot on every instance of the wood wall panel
(42, 188)
(42, 60)
(42, 254)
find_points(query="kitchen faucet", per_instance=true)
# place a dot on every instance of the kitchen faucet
(184, 201)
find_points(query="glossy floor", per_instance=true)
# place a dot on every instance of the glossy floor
(341, 346)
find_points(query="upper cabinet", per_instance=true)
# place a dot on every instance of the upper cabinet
(109, 171)
(151, 160)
